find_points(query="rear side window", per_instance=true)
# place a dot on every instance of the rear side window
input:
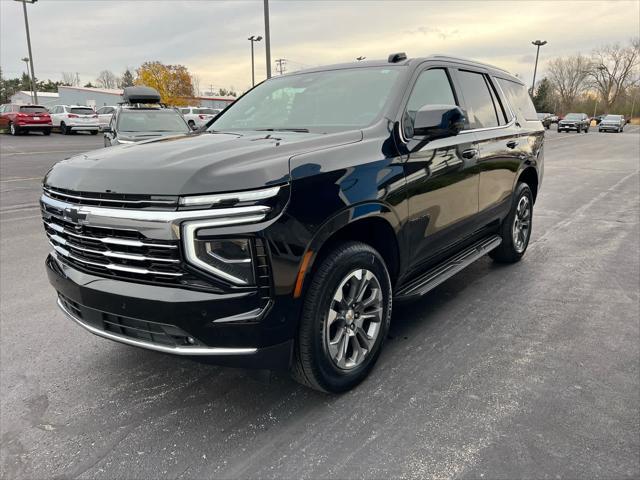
(519, 99)
(481, 111)
(205, 111)
(82, 111)
(185, 111)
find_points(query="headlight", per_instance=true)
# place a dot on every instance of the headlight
(229, 259)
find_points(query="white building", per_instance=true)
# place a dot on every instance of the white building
(46, 99)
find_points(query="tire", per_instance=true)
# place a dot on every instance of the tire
(13, 130)
(509, 251)
(192, 125)
(343, 268)
(64, 130)
(46, 132)
(94, 132)
(577, 129)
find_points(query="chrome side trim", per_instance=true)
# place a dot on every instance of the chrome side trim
(248, 196)
(198, 351)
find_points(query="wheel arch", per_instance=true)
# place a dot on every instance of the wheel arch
(530, 176)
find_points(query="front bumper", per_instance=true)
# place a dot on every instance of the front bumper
(225, 328)
(609, 127)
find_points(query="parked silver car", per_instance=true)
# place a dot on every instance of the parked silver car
(612, 123)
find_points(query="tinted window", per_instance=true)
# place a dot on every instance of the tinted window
(519, 99)
(82, 111)
(329, 100)
(615, 118)
(206, 111)
(151, 121)
(185, 111)
(33, 109)
(431, 88)
(481, 112)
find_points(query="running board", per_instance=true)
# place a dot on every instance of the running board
(448, 268)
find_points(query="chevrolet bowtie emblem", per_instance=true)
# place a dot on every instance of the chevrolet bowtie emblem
(75, 215)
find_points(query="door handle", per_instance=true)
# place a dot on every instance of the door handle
(470, 153)
(512, 144)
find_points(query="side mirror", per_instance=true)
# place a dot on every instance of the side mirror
(438, 121)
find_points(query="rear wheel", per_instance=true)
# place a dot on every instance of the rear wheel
(13, 130)
(94, 132)
(516, 228)
(47, 131)
(346, 315)
(64, 130)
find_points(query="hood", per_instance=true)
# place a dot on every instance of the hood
(191, 164)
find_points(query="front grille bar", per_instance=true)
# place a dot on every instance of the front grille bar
(109, 253)
(113, 241)
(109, 200)
(111, 266)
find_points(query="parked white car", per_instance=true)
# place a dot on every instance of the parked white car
(197, 117)
(104, 115)
(74, 118)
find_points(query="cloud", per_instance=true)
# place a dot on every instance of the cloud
(210, 38)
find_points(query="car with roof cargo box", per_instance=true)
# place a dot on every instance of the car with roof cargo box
(281, 236)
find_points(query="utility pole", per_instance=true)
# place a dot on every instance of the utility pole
(26, 61)
(26, 26)
(77, 79)
(267, 37)
(537, 43)
(211, 89)
(252, 39)
(281, 62)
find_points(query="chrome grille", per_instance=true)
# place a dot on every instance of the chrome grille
(111, 251)
(113, 200)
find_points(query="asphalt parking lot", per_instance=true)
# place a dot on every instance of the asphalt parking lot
(530, 370)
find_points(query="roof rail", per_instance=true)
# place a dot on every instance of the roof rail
(470, 60)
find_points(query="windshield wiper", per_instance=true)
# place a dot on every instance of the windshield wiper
(301, 130)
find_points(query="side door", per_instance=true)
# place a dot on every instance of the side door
(497, 134)
(441, 174)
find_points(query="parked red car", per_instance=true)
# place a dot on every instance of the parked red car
(25, 118)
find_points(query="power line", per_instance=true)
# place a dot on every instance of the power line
(281, 65)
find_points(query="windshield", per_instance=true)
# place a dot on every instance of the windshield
(34, 109)
(321, 101)
(542, 116)
(573, 116)
(614, 118)
(151, 121)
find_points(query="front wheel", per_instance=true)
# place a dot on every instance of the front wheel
(64, 130)
(516, 227)
(13, 130)
(345, 319)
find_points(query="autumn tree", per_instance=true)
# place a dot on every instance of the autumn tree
(614, 68)
(173, 82)
(569, 77)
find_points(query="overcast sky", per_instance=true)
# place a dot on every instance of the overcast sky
(210, 37)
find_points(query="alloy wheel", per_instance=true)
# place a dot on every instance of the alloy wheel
(354, 319)
(521, 224)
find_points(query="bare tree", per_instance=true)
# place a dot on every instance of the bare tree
(195, 81)
(614, 68)
(107, 79)
(71, 79)
(569, 77)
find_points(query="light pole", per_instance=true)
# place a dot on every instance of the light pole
(252, 39)
(26, 61)
(26, 26)
(267, 37)
(537, 43)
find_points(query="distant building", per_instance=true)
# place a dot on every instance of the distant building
(99, 97)
(46, 99)
(91, 97)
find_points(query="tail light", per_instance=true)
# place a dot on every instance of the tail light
(202, 117)
(22, 115)
(72, 115)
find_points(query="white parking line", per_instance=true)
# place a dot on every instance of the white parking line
(23, 179)
(46, 151)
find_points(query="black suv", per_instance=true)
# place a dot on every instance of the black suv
(278, 237)
(142, 117)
